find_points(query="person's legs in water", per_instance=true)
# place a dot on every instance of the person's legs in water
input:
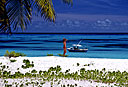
(65, 50)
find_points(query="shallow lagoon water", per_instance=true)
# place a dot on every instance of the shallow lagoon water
(113, 46)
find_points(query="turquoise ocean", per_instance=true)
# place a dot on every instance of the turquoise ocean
(112, 46)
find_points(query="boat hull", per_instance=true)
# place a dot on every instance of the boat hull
(71, 50)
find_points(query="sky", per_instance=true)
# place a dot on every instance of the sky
(85, 16)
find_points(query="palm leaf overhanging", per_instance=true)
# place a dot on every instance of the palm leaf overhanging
(18, 13)
(46, 9)
(4, 20)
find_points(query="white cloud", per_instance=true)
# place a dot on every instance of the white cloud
(104, 23)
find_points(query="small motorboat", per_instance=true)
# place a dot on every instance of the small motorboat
(77, 48)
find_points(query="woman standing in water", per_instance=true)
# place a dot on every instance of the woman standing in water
(64, 47)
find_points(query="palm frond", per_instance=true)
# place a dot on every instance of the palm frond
(19, 13)
(4, 20)
(46, 9)
(68, 2)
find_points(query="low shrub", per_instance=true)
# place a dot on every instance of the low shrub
(116, 78)
(78, 64)
(63, 55)
(27, 64)
(13, 60)
(33, 71)
(49, 54)
(13, 54)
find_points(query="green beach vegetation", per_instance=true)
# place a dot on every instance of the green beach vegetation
(63, 55)
(27, 64)
(49, 54)
(13, 54)
(58, 55)
(54, 75)
(13, 60)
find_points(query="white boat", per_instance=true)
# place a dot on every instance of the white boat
(77, 48)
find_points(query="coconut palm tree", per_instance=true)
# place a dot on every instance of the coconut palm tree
(18, 13)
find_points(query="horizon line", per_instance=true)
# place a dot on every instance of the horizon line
(69, 33)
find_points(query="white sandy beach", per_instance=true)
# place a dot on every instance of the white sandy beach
(44, 63)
